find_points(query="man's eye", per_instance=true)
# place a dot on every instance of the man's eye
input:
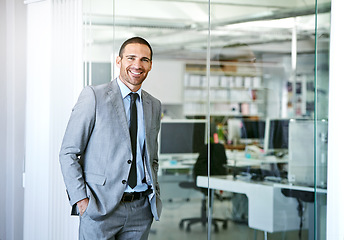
(130, 58)
(145, 60)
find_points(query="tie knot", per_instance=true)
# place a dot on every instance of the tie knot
(133, 96)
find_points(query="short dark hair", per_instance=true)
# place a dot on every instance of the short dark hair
(139, 40)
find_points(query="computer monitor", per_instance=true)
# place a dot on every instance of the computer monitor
(276, 136)
(181, 137)
(252, 131)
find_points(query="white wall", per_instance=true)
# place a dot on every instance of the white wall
(12, 117)
(166, 81)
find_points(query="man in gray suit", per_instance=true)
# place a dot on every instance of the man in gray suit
(110, 170)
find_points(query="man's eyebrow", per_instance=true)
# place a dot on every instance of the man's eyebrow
(133, 55)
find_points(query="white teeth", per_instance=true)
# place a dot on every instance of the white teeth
(136, 73)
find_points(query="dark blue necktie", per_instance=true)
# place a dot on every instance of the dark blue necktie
(132, 180)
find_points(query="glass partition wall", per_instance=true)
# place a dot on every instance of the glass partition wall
(244, 92)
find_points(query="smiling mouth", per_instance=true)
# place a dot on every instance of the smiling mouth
(135, 73)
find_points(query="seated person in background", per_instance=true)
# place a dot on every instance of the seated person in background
(218, 160)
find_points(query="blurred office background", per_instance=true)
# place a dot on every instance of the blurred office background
(251, 78)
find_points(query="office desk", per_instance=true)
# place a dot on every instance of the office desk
(320, 205)
(174, 165)
(268, 209)
(239, 159)
(177, 164)
(244, 162)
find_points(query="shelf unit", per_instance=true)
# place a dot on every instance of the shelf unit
(232, 94)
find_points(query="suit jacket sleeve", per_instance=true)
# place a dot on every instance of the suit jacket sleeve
(74, 143)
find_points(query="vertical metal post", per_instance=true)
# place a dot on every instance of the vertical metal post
(208, 120)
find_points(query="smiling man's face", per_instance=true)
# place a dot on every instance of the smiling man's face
(134, 65)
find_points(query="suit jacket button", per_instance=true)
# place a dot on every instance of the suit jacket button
(124, 181)
(129, 161)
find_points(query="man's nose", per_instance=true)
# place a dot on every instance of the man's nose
(137, 63)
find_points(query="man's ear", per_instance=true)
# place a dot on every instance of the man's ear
(151, 65)
(118, 61)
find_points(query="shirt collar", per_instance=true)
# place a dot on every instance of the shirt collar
(125, 90)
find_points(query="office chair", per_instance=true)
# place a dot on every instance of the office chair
(218, 160)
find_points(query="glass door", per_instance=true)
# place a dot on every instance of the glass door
(98, 50)
(268, 106)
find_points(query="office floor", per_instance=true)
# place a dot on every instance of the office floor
(173, 211)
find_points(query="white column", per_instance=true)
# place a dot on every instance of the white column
(36, 208)
(12, 116)
(54, 80)
(3, 120)
(66, 84)
(335, 193)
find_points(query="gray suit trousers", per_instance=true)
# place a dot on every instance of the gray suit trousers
(130, 220)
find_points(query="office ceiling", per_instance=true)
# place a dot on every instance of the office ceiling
(179, 28)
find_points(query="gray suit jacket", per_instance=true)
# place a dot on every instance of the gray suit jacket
(96, 148)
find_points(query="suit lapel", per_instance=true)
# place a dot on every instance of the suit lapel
(116, 99)
(147, 112)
